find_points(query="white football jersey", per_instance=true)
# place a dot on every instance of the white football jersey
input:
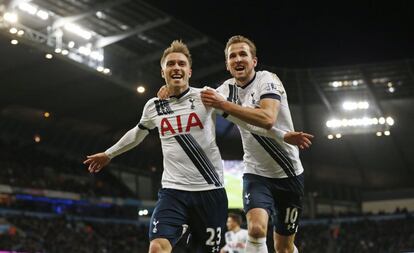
(192, 160)
(262, 155)
(236, 241)
(186, 127)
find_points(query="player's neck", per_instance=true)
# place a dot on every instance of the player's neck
(177, 91)
(247, 81)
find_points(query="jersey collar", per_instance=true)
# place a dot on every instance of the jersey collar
(247, 84)
(182, 94)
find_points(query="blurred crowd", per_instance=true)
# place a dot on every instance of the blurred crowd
(29, 167)
(30, 234)
(368, 235)
(59, 234)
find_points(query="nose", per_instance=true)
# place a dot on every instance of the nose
(238, 58)
(176, 66)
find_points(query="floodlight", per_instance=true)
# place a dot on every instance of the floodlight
(78, 31)
(42, 14)
(28, 7)
(141, 89)
(13, 30)
(390, 121)
(71, 44)
(10, 17)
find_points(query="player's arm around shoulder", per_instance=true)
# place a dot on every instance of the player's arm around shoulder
(264, 117)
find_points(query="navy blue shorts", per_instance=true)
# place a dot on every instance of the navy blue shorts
(280, 197)
(203, 213)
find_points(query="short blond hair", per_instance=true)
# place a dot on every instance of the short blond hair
(177, 46)
(240, 39)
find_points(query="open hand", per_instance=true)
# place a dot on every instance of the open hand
(300, 139)
(163, 92)
(96, 162)
(212, 98)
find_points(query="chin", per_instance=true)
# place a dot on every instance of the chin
(177, 85)
(241, 77)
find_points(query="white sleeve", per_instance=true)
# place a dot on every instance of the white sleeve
(223, 89)
(270, 86)
(273, 133)
(131, 139)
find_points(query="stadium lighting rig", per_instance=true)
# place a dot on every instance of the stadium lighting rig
(33, 10)
(354, 119)
(63, 37)
(351, 106)
(345, 83)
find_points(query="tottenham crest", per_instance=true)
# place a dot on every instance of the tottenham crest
(191, 100)
(155, 223)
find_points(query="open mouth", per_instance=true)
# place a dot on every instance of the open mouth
(239, 68)
(177, 76)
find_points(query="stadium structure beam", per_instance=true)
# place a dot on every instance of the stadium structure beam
(307, 155)
(377, 104)
(157, 55)
(321, 94)
(105, 41)
(105, 5)
(331, 111)
(306, 124)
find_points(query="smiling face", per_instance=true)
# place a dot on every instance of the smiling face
(240, 62)
(176, 71)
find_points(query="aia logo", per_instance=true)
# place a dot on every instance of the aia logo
(192, 121)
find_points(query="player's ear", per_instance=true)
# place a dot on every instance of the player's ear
(227, 65)
(190, 72)
(255, 61)
(162, 73)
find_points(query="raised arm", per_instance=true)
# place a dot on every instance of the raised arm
(130, 140)
(255, 120)
(273, 133)
(264, 117)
